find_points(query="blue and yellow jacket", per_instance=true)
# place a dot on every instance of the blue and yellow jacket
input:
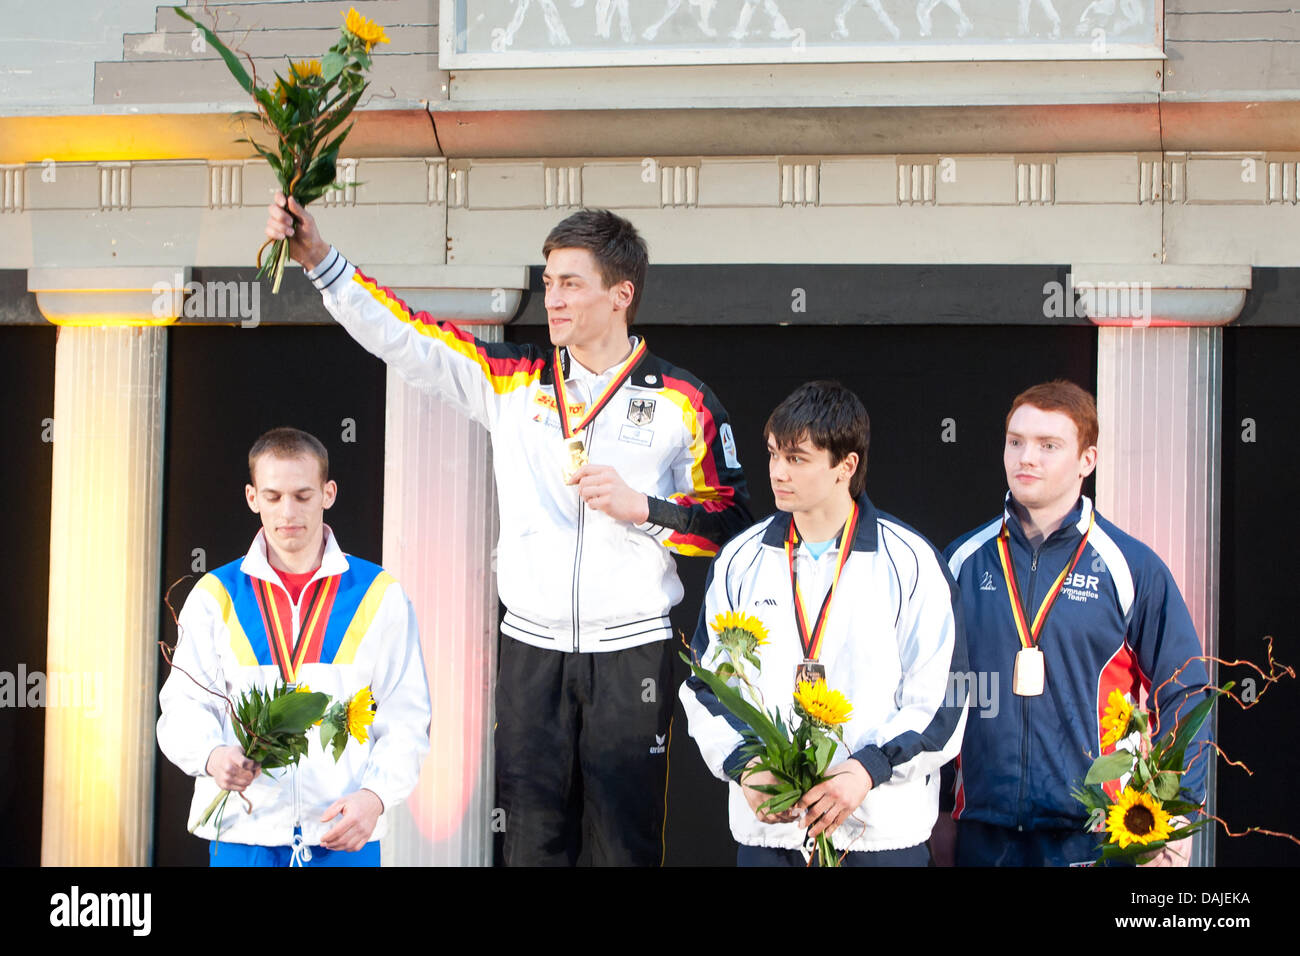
(1119, 623)
(352, 627)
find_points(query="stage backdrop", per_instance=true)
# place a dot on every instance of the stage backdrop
(26, 437)
(1261, 420)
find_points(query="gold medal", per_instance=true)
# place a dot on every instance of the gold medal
(1027, 679)
(809, 672)
(575, 456)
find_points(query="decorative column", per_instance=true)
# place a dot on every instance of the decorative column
(1159, 398)
(440, 526)
(105, 551)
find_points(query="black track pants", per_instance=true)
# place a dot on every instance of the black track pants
(582, 753)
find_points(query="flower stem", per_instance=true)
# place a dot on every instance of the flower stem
(826, 851)
(218, 801)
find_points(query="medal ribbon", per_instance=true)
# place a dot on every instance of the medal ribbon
(1029, 633)
(562, 395)
(277, 618)
(812, 640)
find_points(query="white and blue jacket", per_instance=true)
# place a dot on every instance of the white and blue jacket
(1119, 622)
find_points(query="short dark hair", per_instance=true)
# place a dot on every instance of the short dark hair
(831, 417)
(1060, 395)
(289, 443)
(619, 250)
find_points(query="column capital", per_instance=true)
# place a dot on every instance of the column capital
(1160, 294)
(109, 295)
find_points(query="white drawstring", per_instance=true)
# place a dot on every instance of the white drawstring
(301, 855)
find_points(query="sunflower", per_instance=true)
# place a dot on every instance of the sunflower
(1119, 713)
(824, 706)
(367, 31)
(300, 70)
(361, 714)
(747, 624)
(1137, 817)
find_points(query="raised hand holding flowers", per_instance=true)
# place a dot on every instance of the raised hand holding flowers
(302, 112)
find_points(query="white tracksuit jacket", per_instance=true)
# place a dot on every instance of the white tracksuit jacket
(893, 635)
(571, 578)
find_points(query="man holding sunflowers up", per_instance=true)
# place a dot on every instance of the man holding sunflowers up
(846, 620)
(295, 613)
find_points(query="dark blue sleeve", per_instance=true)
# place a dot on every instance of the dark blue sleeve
(1165, 640)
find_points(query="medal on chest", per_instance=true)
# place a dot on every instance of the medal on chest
(575, 449)
(1027, 679)
(575, 456)
(810, 670)
(1029, 676)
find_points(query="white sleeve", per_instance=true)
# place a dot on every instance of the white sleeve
(401, 727)
(715, 729)
(436, 357)
(925, 729)
(194, 720)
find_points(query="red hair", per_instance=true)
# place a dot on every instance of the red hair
(1065, 397)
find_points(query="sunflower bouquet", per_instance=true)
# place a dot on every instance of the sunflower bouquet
(1144, 815)
(272, 726)
(796, 752)
(302, 113)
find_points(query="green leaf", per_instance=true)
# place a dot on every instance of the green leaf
(1166, 785)
(1186, 831)
(335, 118)
(1138, 721)
(784, 802)
(1141, 774)
(731, 699)
(1174, 756)
(293, 713)
(1181, 807)
(319, 175)
(1091, 796)
(823, 750)
(333, 147)
(272, 158)
(232, 60)
(331, 65)
(1110, 767)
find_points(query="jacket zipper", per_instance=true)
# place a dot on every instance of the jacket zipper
(293, 771)
(577, 549)
(297, 795)
(1024, 704)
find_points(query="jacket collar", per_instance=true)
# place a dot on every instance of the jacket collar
(256, 564)
(1076, 522)
(864, 539)
(572, 370)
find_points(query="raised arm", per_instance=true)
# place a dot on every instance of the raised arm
(435, 356)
